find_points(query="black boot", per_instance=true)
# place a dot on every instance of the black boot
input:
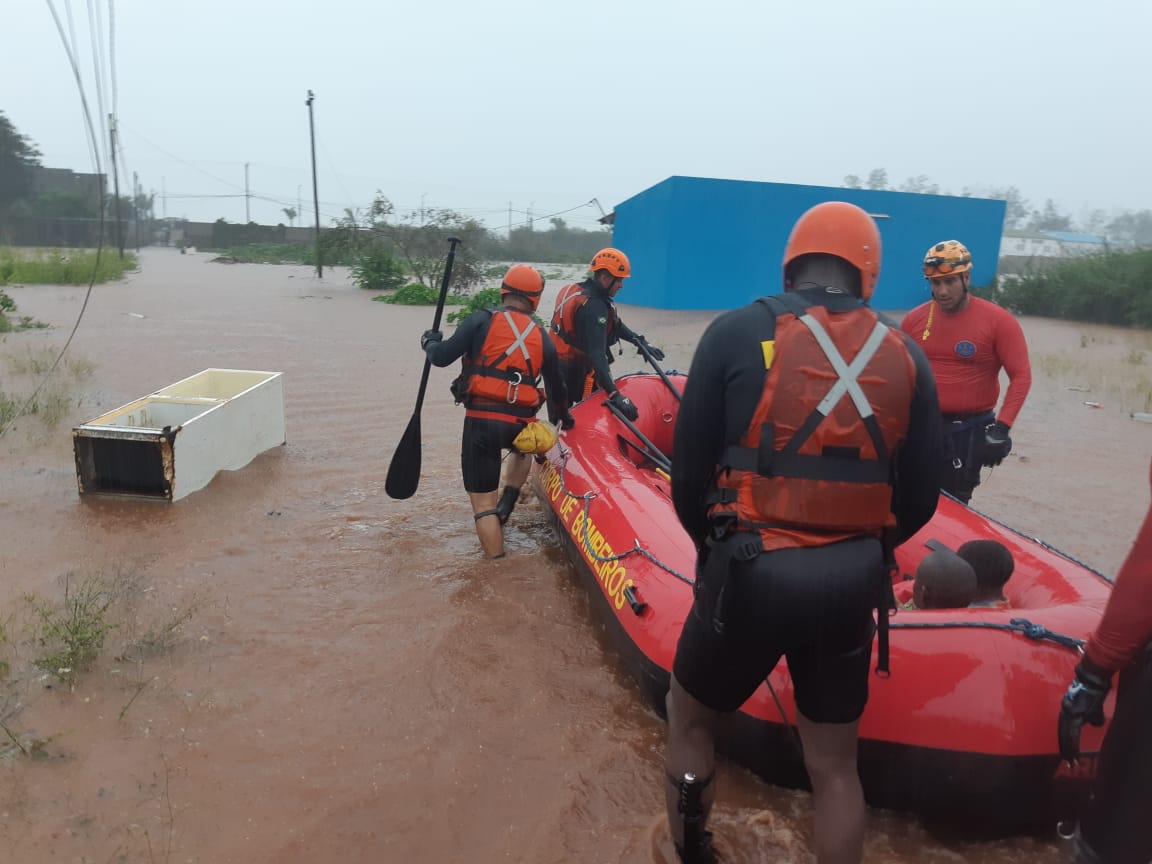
(507, 503)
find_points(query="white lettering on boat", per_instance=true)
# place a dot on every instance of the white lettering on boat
(594, 547)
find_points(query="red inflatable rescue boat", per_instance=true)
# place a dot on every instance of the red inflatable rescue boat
(966, 723)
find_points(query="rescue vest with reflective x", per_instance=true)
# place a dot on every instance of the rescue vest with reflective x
(504, 377)
(815, 465)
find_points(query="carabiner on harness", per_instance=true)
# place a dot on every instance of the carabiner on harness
(514, 387)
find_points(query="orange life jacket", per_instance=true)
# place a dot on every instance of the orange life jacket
(503, 380)
(815, 465)
(568, 302)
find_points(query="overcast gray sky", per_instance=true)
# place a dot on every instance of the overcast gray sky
(546, 105)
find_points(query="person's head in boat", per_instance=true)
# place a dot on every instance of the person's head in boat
(993, 565)
(522, 287)
(834, 248)
(944, 580)
(948, 267)
(609, 268)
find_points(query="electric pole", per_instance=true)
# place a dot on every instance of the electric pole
(136, 206)
(315, 187)
(115, 185)
(247, 197)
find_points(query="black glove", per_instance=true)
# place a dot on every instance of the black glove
(624, 405)
(567, 421)
(429, 336)
(997, 443)
(656, 353)
(1083, 702)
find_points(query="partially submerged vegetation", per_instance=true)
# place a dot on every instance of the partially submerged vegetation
(27, 389)
(50, 641)
(62, 266)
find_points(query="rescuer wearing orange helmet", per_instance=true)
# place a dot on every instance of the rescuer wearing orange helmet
(805, 447)
(968, 340)
(585, 325)
(505, 354)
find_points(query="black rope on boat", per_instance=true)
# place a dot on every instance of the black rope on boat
(1036, 632)
(637, 549)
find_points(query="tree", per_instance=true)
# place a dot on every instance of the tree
(19, 160)
(1132, 229)
(290, 215)
(878, 179)
(852, 181)
(418, 239)
(1051, 219)
(1018, 209)
(921, 185)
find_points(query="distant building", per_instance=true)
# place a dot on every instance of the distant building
(1050, 244)
(699, 243)
(47, 181)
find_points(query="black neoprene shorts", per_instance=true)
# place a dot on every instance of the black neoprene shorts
(482, 448)
(813, 606)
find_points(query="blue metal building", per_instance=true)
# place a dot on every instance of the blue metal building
(699, 243)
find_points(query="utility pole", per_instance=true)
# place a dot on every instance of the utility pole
(315, 187)
(115, 185)
(136, 206)
(299, 205)
(247, 197)
(164, 197)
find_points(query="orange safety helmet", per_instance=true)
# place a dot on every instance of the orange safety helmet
(946, 258)
(843, 230)
(612, 260)
(525, 281)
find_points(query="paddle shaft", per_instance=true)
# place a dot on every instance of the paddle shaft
(404, 470)
(654, 453)
(453, 242)
(643, 346)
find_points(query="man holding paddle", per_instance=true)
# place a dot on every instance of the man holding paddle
(505, 353)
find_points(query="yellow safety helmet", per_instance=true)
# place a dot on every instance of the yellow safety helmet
(538, 437)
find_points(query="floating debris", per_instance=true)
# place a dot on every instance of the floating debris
(1093, 404)
(1142, 416)
(1079, 389)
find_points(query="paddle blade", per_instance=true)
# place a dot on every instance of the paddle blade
(404, 472)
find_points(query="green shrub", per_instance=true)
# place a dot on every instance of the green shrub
(376, 270)
(488, 298)
(416, 294)
(1108, 288)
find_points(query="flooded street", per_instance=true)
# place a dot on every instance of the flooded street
(349, 680)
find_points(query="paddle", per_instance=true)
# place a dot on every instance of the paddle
(643, 346)
(404, 472)
(648, 449)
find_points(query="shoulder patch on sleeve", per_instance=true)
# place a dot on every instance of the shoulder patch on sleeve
(602, 320)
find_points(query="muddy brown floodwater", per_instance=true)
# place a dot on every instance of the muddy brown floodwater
(351, 682)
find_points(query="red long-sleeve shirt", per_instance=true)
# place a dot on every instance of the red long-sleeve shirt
(1127, 622)
(967, 349)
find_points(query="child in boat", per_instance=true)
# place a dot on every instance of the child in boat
(993, 565)
(944, 580)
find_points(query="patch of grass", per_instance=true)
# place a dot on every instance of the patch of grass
(1113, 378)
(62, 266)
(56, 396)
(70, 634)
